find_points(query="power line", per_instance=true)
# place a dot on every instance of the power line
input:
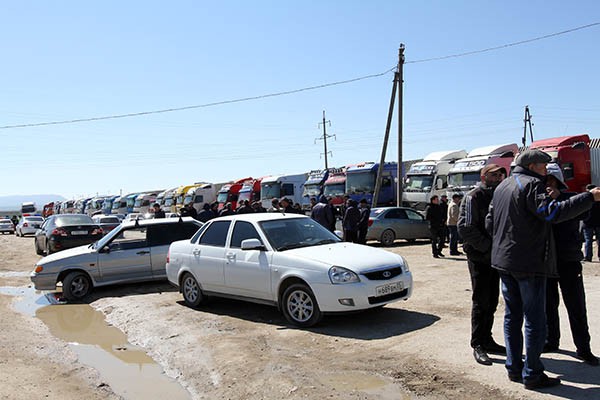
(504, 45)
(218, 103)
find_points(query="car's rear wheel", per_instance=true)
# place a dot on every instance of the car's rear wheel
(388, 237)
(76, 286)
(192, 293)
(300, 306)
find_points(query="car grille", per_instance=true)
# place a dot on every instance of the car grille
(387, 297)
(383, 274)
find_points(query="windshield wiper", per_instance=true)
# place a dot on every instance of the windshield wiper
(291, 246)
(324, 241)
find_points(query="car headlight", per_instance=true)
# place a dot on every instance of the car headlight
(342, 275)
(406, 268)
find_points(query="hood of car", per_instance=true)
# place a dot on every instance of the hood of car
(358, 258)
(71, 254)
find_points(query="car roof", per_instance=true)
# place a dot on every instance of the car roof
(158, 221)
(259, 217)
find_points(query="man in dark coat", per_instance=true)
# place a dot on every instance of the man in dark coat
(485, 281)
(323, 214)
(158, 213)
(570, 278)
(287, 207)
(433, 214)
(350, 221)
(191, 211)
(591, 228)
(363, 222)
(206, 214)
(523, 251)
(245, 208)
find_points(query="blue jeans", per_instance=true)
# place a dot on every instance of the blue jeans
(524, 297)
(588, 235)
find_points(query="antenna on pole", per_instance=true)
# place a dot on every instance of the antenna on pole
(325, 137)
(526, 122)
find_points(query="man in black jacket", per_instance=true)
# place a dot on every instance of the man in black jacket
(350, 221)
(570, 278)
(363, 222)
(485, 281)
(521, 217)
(433, 214)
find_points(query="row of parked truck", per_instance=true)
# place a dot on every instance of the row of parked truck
(440, 172)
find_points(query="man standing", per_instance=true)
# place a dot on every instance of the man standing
(485, 282)
(363, 222)
(523, 252)
(158, 213)
(570, 278)
(591, 228)
(452, 221)
(323, 214)
(433, 214)
(350, 221)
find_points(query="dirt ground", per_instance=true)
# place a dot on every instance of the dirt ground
(418, 349)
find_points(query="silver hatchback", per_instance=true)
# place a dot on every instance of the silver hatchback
(134, 251)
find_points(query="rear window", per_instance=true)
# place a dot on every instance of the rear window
(5, 221)
(34, 219)
(78, 219)
(110, 220)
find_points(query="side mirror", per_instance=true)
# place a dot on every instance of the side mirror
(252, 244)
(105, 249)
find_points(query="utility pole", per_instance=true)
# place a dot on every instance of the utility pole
(325, 137)
(396, 86)
(527, 121)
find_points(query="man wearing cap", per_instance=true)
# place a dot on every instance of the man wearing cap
(485, 282)
(520, 219)
(570, 278)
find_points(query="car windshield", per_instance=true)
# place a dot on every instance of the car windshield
(360, 182)
(337, 189)
(286, 234)
(466, 179)
(270, 190)
(79, 219)
(418, 182)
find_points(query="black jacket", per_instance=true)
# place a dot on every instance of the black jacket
(363, 223)
(351, 218)
(592, 219)
(434, 214)
(471, 223)
(568, 240)
(521, 217)
(323, 214)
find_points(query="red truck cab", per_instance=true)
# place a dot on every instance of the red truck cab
(572, 153)
(229, 193)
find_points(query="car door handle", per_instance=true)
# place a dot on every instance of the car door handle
(142, 252)
(230, 256)
(196, 252)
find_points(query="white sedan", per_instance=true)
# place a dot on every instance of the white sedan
(289, 261)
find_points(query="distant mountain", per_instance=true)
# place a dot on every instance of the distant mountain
(11, 203)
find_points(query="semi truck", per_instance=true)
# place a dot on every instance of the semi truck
(250, 191)
(144, 201)
(313, 187)
(119, 205)
(204, 193)
(278, 186)
(466, 172)
(429, 177)
(229, 193)
(361, 178)
(335, 186)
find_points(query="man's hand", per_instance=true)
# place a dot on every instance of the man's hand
(553, 192)
(596, 192)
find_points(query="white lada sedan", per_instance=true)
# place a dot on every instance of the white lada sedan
(289, 261)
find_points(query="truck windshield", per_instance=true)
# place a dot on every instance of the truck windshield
(138, 202)
(130, 202)
(222, 197)
(464, 179)
(115, 204)
(312, 190)
(180, 199)
(27, 209)
(270, 190)
(168, 202)
(361, 182)
(188, 199)
(418, 183)
(337, 189)
(245, 196)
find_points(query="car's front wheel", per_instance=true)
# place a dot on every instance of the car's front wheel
(76, 286)
(300, 306)
(388, 237)
(192, 293)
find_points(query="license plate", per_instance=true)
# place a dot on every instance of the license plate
(79, 233)
(35, 225)
(389, 289)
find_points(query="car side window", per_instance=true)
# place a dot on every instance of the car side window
(165, 234)
(241, 231)
(396, 214)
(215, 234)
(133, 238)
(414, 215)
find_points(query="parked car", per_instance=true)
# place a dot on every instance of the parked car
(387, 224)
(133, 217)
(64, 231)
(135, 251)
(6, 226)
(289, 261)
(106, 222)
(120, 216)
(28, 225)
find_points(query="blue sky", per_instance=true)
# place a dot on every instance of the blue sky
(67, 60)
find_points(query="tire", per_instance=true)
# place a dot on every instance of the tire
(300, 307)
(387, 237)
(38, 251)
(76, 286)
(191, 290)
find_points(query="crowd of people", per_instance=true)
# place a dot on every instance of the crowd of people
(522, 236)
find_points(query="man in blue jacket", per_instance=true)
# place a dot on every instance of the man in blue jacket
(523, 251)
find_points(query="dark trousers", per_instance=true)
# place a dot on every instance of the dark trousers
(362, 236)
(573, 294)
(453, 239)
(485, 283)
(437, 240)
(350, 236)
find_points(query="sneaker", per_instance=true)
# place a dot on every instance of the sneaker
(588, 357)
(481, 356)
(543, 381)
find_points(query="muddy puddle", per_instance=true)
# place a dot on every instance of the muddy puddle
(363, 382)
(129, 371)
